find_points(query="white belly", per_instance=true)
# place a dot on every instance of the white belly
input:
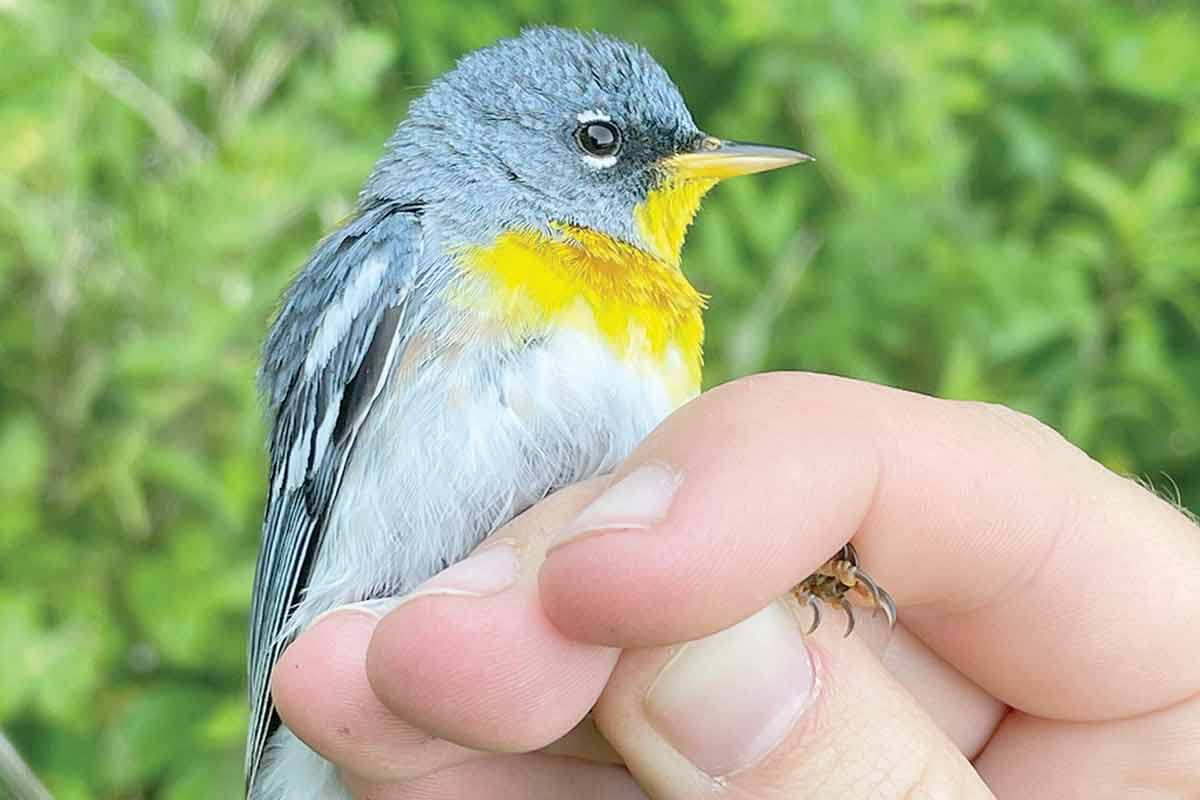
(467, 443)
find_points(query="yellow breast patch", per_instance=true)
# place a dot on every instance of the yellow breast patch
(639, 302)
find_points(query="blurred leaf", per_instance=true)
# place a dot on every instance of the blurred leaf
(22, 457)
(18, 630)
(151, 731)
(360, 60)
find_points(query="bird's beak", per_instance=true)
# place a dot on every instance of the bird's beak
(718, 158)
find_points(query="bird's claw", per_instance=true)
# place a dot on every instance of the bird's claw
(838, 577)
(815, 605)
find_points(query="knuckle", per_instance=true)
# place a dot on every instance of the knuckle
(790, 383)
(1029, 428)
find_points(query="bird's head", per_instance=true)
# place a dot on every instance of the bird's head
(558, 129)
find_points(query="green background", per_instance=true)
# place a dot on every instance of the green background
(1004, 208)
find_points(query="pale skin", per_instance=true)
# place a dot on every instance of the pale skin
(1048, 643)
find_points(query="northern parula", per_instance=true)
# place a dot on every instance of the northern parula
(504, 315)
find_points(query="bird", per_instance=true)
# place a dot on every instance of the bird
(503, 315)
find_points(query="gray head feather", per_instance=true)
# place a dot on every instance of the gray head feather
(490, 146)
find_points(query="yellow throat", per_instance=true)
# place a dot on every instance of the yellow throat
(637, 300)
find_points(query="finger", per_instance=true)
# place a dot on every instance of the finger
(519, 777)
(452, 666)
(966, 713)
(758, 711)
(962, 710)
(472, 658)
(321, 690)
(1002, 543)
(1152, 755)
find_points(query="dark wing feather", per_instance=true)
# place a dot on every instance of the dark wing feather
(341, 323)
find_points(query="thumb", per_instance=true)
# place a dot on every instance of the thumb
(760, 711)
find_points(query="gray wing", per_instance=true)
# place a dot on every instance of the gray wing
(342, 323)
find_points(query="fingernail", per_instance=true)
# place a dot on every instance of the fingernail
(371, 609)
(726, 701)
(488, 571)
(639, 500)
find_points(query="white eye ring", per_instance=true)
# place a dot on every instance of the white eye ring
(599, 162)
(594, 116)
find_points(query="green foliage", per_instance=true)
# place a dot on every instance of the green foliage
(1004, 207)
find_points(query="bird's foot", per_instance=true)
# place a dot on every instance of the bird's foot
(839, 578)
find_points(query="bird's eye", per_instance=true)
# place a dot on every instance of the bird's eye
(599, 138)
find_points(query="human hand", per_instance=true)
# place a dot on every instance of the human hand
(1047, 646)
